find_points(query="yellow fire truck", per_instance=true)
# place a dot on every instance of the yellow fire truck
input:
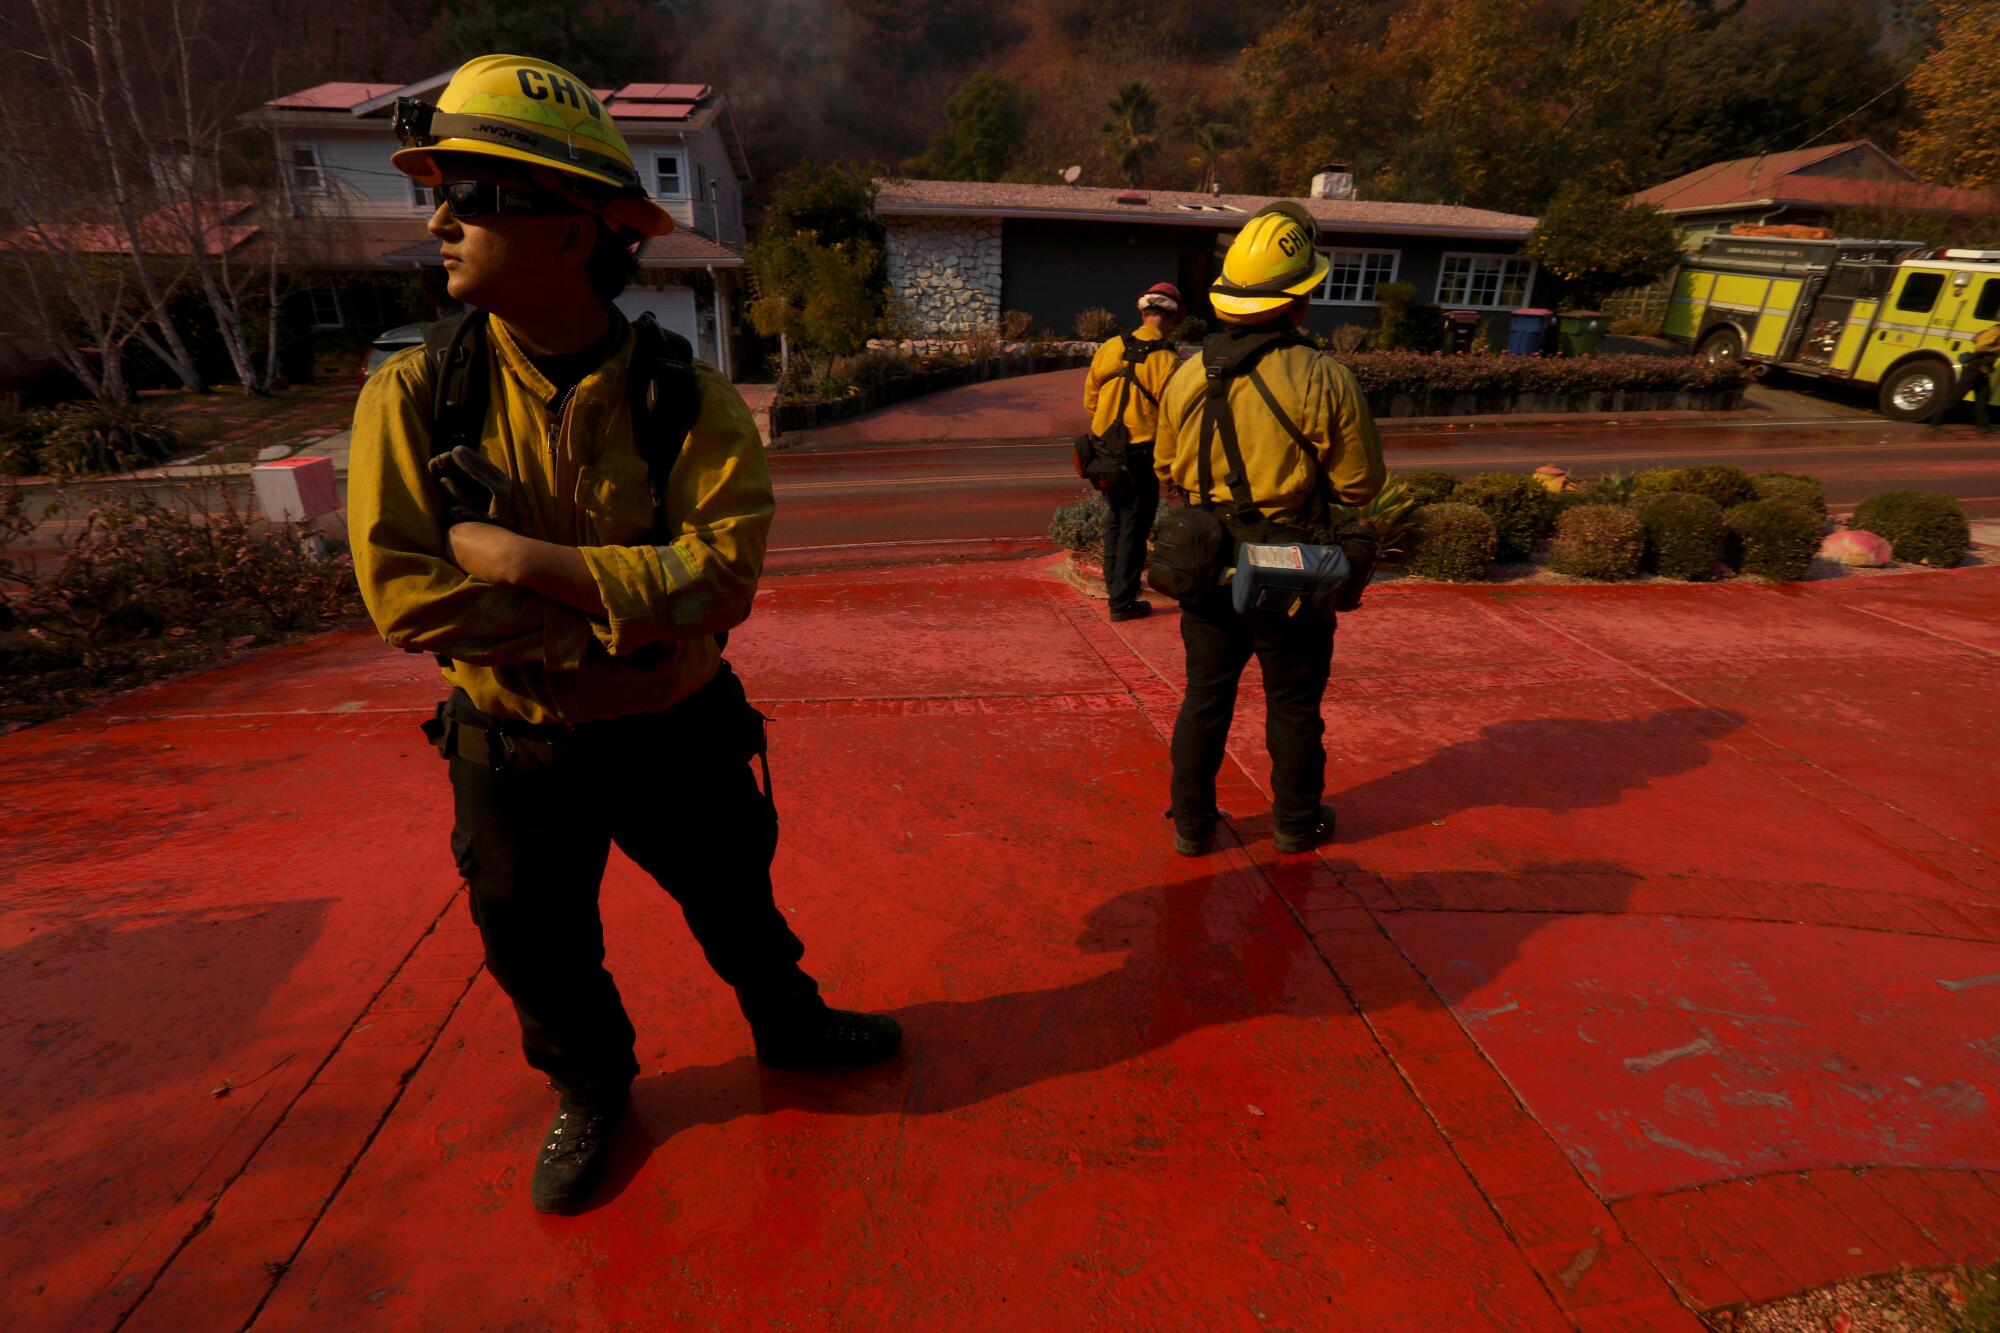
(1887, 313)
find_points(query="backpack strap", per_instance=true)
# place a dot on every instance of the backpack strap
(456, 346)
(666, 402)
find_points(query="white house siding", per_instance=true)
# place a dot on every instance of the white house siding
(358, 173)
(360, 179)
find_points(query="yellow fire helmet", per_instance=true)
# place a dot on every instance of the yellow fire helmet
(1987, 339)
(524, 110)
(1272, 261)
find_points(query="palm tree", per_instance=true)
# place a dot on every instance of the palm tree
(1134, 117)
(1211, 141)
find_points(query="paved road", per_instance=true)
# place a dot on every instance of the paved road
(848, 503)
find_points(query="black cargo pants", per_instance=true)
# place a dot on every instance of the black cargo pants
(1296, 660)
(534, 827)
(1132, 504)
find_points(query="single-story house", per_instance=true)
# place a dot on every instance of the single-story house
(1814, 187)
(367, 219)
(960, 253)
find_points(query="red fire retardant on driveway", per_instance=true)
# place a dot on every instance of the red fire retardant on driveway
(1656, 967)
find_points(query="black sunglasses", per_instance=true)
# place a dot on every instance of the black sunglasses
(468, 200)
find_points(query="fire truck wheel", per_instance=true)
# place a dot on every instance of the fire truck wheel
(1910, 391)
(1723, 344)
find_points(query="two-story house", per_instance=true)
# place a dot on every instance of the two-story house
(367, 218)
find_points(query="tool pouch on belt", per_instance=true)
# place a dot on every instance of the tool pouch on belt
(1296, 582)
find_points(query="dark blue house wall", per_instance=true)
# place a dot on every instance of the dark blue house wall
(1053, 270)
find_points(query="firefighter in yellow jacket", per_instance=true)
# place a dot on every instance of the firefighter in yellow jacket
(577, 606)
(1308, 443)
(1121, 392)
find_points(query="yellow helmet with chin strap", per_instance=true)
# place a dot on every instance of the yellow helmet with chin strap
(1272, 262)
(527, 111)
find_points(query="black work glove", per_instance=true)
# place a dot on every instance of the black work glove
(474, 490)
(1358, 541)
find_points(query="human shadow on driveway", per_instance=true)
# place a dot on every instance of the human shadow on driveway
(1210, 951)
(1552, 764)
(1207, 952)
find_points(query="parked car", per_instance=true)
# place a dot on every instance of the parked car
(388, 344)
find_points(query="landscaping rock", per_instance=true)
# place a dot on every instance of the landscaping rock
(1856, 548)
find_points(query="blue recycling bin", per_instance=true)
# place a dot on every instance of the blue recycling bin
(1527, 332)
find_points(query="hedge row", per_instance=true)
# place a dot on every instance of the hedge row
(1679, 523)
(1430, 372)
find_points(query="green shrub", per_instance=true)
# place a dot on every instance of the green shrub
(1922, 527)
(1016, 326)
(1596, 492)
(1079, 525)
(1684, 534)
(877, 366)
(104, 437)
(1727, 486)
(21, 435)
(1523, 510)
(1600, 541)
(1429, 487)
(1774, 539)
(1793, 486)
(1392, 511)
(1096, 324)
(1454, 542)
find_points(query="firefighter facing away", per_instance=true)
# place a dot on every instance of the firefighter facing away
(1273, 433)
(571, 513)
(1121, 392)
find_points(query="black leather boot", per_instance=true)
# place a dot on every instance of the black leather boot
(1306, 840)
(571, 1159)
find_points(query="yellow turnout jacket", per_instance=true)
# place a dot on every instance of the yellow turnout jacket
(1319, 396)
(1102, 385)
(580, 480)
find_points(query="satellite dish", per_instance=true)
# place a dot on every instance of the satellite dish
(1069, 174)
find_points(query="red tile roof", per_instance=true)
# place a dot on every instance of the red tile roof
(896, 197)
(332, 96)
(1778, 178)
(224, 227)
(686, 248)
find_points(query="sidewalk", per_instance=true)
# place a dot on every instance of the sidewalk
(1656, 968)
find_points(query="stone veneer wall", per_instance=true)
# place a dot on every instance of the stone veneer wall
(946, 271)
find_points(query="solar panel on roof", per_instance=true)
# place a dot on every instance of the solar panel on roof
(661, 92)
(650, 110)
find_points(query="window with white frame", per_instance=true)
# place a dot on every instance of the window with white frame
(305, 168)
(325, 298)
(421, 199)
(669, 176)
(1489, 282)
(1355, 274)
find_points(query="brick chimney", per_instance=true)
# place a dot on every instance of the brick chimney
(1335, 180)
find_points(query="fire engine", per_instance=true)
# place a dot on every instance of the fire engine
(1891, 314)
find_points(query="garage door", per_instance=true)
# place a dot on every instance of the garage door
(673, 307)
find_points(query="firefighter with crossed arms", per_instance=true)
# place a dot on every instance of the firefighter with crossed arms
(575, 556)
